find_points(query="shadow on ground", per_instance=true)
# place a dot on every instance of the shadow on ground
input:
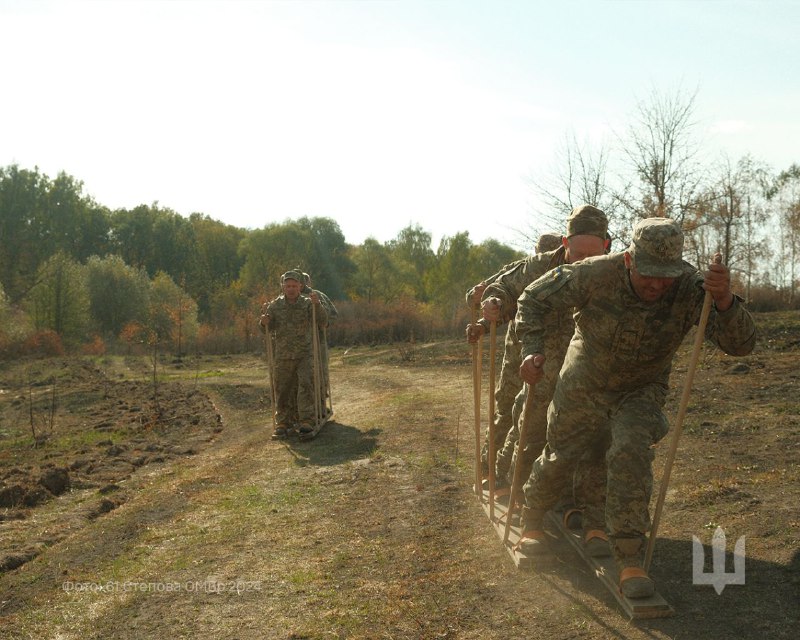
(767, 603)
(336, 443)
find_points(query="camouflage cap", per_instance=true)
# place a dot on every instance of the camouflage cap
(548, 242)
(657, 248)
(587, 220)
(292, 275)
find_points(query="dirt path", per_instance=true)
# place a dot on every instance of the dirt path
(369, 531)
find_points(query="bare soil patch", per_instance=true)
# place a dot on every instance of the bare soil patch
(180, 517)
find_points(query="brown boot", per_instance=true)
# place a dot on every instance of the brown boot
(533, 540)
(595, 543)
(633, 579)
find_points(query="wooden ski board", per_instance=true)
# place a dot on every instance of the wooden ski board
(317, 428)
(605, 569)
(521, 560)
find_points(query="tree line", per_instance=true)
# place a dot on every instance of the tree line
(76, 275)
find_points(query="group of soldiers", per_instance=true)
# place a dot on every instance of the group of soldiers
(591, 336)
(295, 327)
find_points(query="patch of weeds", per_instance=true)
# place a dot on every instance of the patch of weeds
(72, 441)
(302, 577)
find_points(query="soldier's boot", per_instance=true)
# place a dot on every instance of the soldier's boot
(595, 543)
(533, 540)
(595, 540)
(633, 579)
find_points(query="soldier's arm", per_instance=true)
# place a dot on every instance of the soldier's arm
(475, 294)
(564, 287)
(507, 287)
(319, 310)
(730, 326)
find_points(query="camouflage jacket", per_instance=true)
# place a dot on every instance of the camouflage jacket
(621, 343)
(508, 286)
(291, 326)
(491, 279)
(326, 302)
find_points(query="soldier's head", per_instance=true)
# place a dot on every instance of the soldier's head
(587, 228)
(291, 284)
(306, 286)
(655, 257)
(548, 242)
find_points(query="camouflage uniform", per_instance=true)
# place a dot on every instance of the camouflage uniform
(290, 325)
(507, 287)
(612, 387)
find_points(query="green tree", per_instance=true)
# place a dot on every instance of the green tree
(218, 259)
(22, 197)
(413, 255)
(377, 277)
(118, 293)
(314, 245)
(329, 262)
(59, 301)
(72, 222)
(452, 274)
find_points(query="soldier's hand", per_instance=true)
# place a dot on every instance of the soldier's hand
(491, 309)
(531, 368)
(717, 281)
(477, 293)
(314, 297)
(474, 332)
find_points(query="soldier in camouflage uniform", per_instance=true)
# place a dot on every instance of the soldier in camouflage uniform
(633, 310)
(288, 318)
(586, 232)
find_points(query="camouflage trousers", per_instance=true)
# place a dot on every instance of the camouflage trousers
(505, 394)
(612, 435)
(294, 388)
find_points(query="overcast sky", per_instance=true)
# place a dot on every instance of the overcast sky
(378, 114)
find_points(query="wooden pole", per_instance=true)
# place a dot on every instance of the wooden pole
(476, 397)
(676, 432)
(315, 348)
(492, 454)
(271, 369)
(329, 400)
(523, 441)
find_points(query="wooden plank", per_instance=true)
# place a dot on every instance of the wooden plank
(605, 569)
(521, 560)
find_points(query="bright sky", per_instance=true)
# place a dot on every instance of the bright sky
(376, 113)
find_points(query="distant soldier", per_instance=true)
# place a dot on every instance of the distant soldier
(289, 319)
(586, 232)
(632, 311)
